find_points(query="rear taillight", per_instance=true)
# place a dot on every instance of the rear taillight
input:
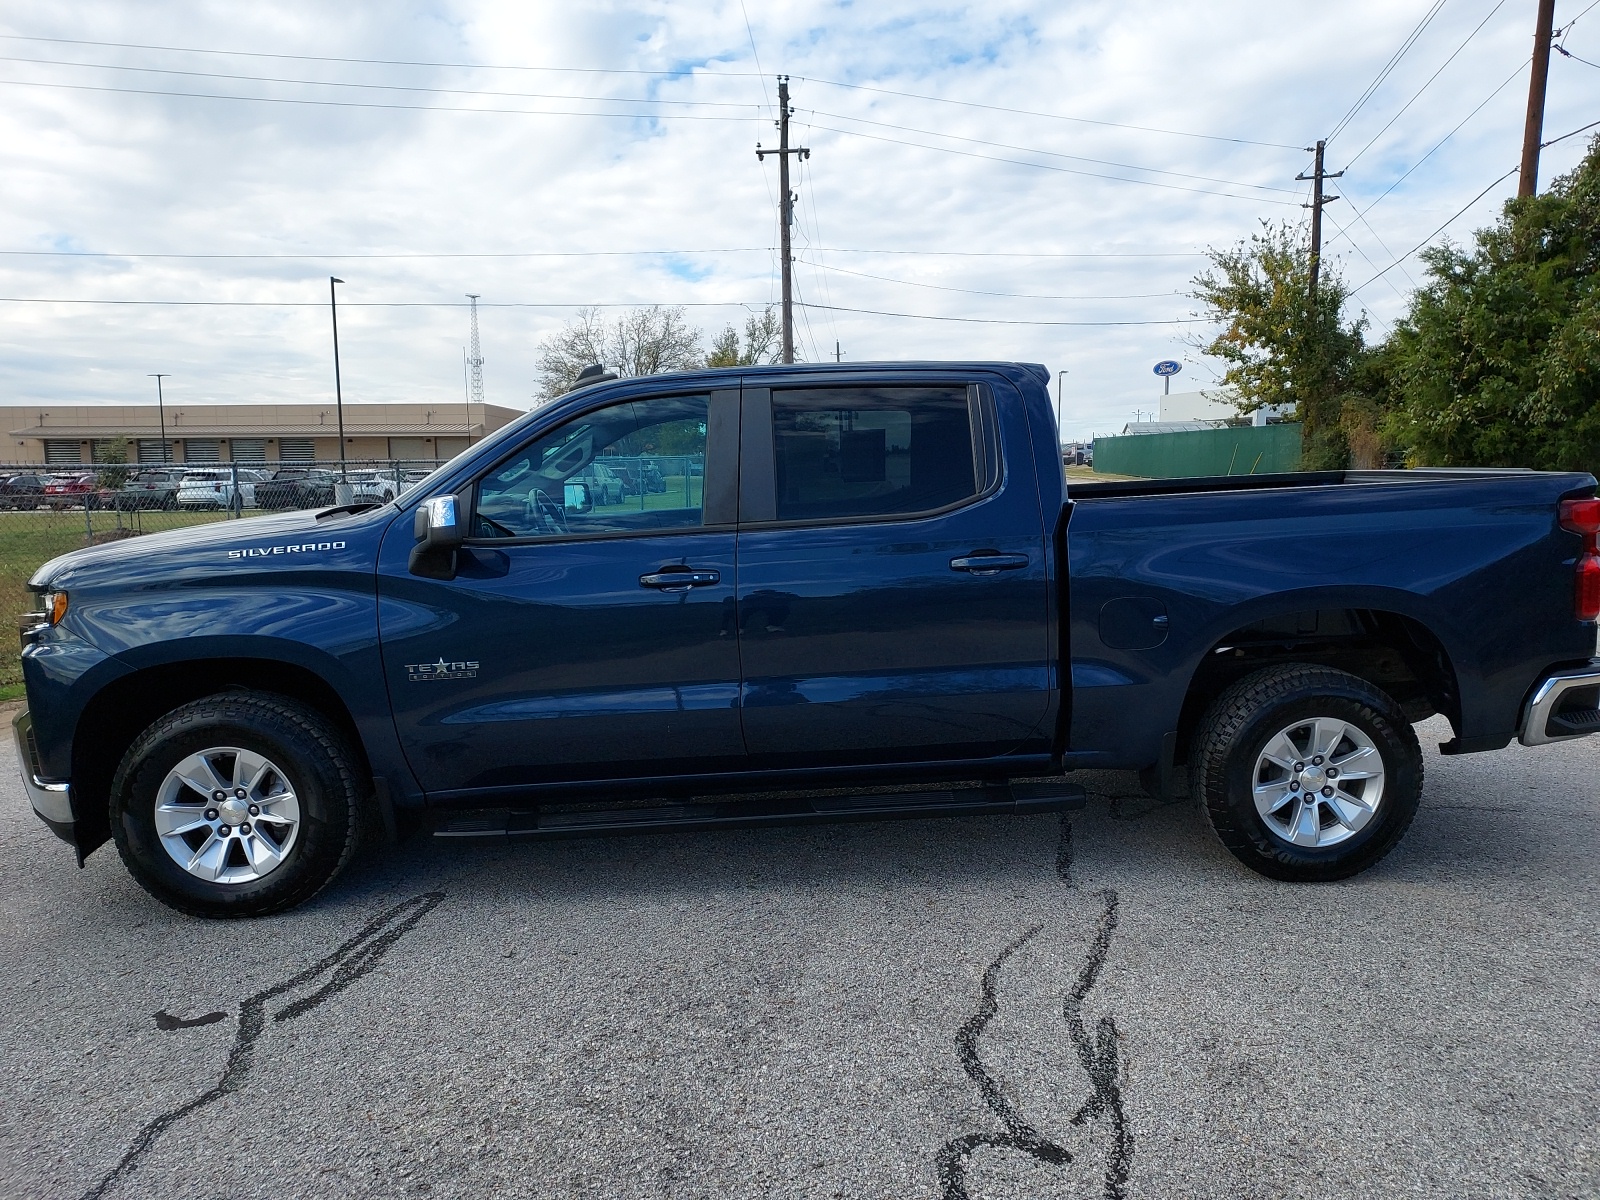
(1583, 518)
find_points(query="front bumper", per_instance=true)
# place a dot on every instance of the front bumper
(1565, 705)
(52, 801)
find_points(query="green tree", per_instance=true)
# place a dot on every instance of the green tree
(763, 336)
(1282, 349)
(1498, 361)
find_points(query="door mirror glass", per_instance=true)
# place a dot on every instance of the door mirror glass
(440, 532)
(578, 500)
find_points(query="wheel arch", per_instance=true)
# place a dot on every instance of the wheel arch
(1396, 651)
(127, 705)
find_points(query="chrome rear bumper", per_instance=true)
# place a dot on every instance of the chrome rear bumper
(1554, 714)
(52, 801)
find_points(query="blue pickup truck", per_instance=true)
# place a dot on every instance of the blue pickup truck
(859, 592)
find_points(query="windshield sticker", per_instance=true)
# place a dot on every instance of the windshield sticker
(302, 548)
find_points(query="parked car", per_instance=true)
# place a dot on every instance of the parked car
(880, 587)
(212, 487)
(78, 490)
(295, 487)
(379, 486)
(626, 476)
(605, 486)
(24, 491)
(149, 489)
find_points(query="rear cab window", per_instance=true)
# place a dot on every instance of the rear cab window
(880, 452)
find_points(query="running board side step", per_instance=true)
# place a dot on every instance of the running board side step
(562, 821)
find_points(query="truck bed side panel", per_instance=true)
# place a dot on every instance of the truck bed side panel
(1480, 562)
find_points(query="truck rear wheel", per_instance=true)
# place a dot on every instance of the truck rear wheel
(1306, 773)
(236, 805)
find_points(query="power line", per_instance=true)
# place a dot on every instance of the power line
(566, 304)
(384, 303)
(371, 62)
(1050, 153)
(609, 253)
(1389, 66)
(876, 137)
(671, 74)
(1441, 228)
(1504, 84)
(526, 112)
(1426, 85)
(380, 87)
(1565, 53)
(979, 292)
(1565, 136)
(874, 312)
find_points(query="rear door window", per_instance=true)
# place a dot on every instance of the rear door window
(843, 453)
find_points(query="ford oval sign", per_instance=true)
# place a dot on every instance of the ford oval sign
(1167, 368)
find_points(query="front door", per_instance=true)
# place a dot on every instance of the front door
(578, 641)
(892, 578)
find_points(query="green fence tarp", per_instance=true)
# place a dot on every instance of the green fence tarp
(1229, 450)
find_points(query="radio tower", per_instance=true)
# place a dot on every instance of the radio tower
(475, 395)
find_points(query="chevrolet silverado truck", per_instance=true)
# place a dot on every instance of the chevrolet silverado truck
(863, 592)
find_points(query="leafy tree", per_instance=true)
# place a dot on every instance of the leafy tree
(763, 337)
(643, 341)
(1498, 361)
(109, 455)
(1283, 349)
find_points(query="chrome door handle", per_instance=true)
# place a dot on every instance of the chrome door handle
(988, 564)
(679, 581)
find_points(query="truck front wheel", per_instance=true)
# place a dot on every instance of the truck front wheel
(1306, 773)
(236, 805)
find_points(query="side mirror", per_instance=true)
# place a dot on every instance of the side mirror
(440, 532)
(578, 499)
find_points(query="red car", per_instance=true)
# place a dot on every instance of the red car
(70, 491)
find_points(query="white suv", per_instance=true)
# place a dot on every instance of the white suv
(213, 488)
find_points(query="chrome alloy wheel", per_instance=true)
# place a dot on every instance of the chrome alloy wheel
(227, 815)
(1318, 782)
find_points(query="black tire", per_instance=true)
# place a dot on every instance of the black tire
(313, 755)
(1235, 731)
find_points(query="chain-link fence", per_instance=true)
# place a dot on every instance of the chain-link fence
(50, 510)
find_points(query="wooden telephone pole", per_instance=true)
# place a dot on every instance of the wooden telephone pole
(1318, 199)
(785, 210)
(1533, 130)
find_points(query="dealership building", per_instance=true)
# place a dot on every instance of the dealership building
(245, 433)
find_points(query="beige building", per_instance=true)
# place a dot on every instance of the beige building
(254, 433)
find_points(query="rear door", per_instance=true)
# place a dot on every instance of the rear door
(577, 642)
(892, 576)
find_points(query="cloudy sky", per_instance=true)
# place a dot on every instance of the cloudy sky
(1008, 180)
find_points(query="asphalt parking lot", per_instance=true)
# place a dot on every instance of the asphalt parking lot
(997, 1007)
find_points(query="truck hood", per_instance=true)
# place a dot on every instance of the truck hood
(293, 538)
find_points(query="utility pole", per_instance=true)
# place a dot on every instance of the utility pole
(466, 393)
(1528, 179)
(1318, 199)
(342, 493)
(838, 354)
(1061, 383)
(785, 210)
(161, 412)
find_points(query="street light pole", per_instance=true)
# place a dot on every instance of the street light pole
(1060, 375)
(161, 411)
(343, 494)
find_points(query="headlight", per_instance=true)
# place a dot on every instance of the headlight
(55, 606)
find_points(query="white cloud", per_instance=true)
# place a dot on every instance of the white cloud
(118, 171)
